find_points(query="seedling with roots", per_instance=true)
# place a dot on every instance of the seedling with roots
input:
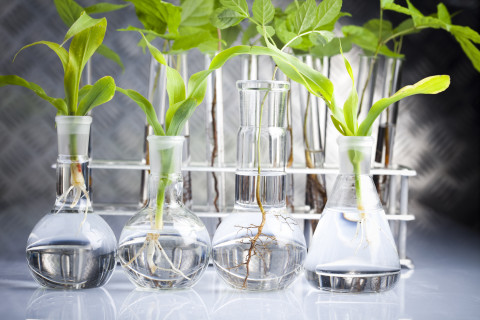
(346, 122)
(86, 36)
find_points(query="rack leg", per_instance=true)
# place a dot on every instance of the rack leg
(402, 237)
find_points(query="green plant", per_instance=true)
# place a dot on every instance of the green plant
(86, 36)
(375, 36)
(346, 120)
(69, 11)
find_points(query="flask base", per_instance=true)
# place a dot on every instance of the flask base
(353, 281)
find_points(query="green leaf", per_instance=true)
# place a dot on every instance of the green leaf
(147, 108)
(83, 91)
(332, 48)
(304, 17)
(350, 108)
(367, 40)
(430, 85)
(383, 3)
(230, 35)
(374, 26)
(263, 11)
(286, 36)
(267, 31)
(239, 6)
(192, 37)
(223, 18)
(83, 23)
(293, 68)
(58, 49)
(18, 81)
(83, 46)
(181, 115)
(249, 33)
(321, 37)
(419, 20)
(157, 15)
(327, 11)
(404, 26)
(397, 8)
(110, 54)
(104, 7)
(470, 50)
(465, 32)
(175, 83)
(443, 13)
(196, 13)
(338, 125)
(68, 10)
(101, 92)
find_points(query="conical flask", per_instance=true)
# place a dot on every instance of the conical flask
(260, 246)
(353, 249)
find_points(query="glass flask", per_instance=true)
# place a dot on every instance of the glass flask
(71, 247)
(352, 249)
(164, 245)
(260, 246)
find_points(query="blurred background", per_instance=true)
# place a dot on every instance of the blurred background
(438, 136)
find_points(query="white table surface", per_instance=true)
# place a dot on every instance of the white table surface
(444, 285)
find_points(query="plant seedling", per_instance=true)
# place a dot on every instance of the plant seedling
(86, 36)
(346, 122)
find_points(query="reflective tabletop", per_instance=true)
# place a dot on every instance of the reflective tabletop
(444, 285)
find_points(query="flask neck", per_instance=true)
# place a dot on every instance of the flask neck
(355, 154)
(73, 180)
(165, 180)
(261, 145)
(261, 139)
(166, 191)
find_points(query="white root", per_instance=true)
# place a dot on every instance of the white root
(170, 261)
(151, 244)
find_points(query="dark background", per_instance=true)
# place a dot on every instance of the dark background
(437, 135)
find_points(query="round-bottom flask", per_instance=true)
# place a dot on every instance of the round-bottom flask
(260, 246)
(353, 249)
(164, 245)
(72, 247)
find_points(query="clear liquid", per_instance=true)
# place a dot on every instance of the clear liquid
(372, 279)
(277, 258)
(189, 259)
(352, 251)
(70, 264)
(272, 189)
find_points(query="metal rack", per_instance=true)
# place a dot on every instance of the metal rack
(396, 211)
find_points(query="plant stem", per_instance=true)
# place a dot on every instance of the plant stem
(356, 160)
(162, 183)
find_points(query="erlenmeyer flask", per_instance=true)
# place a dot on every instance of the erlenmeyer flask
(353, 248)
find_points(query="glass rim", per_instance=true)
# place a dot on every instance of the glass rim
(165, 141)
(73, 119)
(357, 140)
(275, 85)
